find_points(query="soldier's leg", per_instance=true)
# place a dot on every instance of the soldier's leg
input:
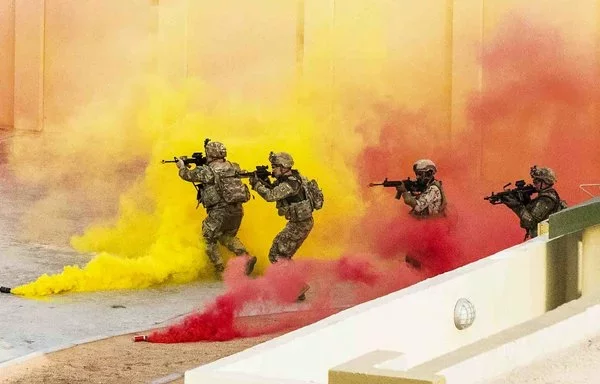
(231, 225)
(229, 239)
(211, 231)
(287, 242)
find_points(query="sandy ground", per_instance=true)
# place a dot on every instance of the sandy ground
(120, 360)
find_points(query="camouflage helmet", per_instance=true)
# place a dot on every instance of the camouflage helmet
(215, 150)
(545, 174)
(424, 165)
(281, 158)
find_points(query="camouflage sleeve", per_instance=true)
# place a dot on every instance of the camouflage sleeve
(200, 174)
(237, 168)
(432, 197)
(535, 212)
(278, 192)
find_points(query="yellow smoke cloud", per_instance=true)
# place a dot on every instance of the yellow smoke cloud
(139, 216)
(157, 237)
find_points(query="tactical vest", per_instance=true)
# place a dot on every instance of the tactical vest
(295, 207)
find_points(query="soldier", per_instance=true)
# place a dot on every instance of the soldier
(430, 200)
(292, 202)
(542, 206)
(222, 195)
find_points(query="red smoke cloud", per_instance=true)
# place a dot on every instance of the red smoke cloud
(539, 106)
(334, 285)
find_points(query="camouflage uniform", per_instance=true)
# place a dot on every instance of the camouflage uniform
(292, 203)
(537, 210)
(431, 202)
(223, 219)
(541, 207)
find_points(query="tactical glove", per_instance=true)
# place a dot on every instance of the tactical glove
(180, 164)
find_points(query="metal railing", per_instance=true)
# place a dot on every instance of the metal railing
(590, 186)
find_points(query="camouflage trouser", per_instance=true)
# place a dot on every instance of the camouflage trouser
(288, 241)
(221, 225)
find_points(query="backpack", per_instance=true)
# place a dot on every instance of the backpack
(231, 187)
(233, 190)
(313, 193)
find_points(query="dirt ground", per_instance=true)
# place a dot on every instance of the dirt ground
(120, 360)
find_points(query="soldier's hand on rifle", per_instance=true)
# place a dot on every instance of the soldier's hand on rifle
(400, 189)
(253, 180)
(180, 164)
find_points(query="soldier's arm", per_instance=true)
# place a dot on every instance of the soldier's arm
(237, 168)
(198, 174)
(409, 199)
(421, 202)
(278, 192)
(535, 212)
(427, 198)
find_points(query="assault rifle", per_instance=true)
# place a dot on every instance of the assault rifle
(521, 191)
(262, 173)
(410, 185)
(197, 158)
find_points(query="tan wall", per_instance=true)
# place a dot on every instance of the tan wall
(29, 64)
(89, 50)
(93, 49)
(7, 62)
(243, 48)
